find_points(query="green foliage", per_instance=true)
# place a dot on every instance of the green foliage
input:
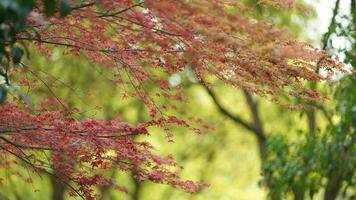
(3, 93)
(324, 161)
(64, 8)
(13, 16)
(14, 13)
(294, 19)
(17, 54)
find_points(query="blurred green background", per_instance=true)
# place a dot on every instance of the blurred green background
(227, 156)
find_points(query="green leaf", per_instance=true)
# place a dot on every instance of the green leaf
(64, 8)
(17, 54)
(50, 7)
(3, 93)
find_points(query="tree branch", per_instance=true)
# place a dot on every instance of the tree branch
(121, 11)
(224, 111)
(25, 146)
(331, 28)
(256, 118)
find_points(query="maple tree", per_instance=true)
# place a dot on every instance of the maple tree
(141, 42)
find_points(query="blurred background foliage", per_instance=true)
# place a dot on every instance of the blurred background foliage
(302, 153)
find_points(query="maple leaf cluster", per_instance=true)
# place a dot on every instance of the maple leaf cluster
(135, 40)
(79, 151)
(214, 39)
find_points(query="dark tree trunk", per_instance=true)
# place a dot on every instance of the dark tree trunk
(105, 190)
(58, 188)
(333, 187)
(311, 121)
(298, 193)
(257, 124)
(136, 192)
(105, 194)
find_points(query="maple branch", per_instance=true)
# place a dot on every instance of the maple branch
(86, 48)
(37, 169)
(152, 28)
(80, 132)
(61, 44)
(82, 6)
(47, 86)
(121, 11)
(24, 146)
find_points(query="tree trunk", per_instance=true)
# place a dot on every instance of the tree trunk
(311, 121)
(58, 188)
(105, 190)
(257, 124)
(333, 187)
(136, 192)
(298, 193)
(138, 185)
